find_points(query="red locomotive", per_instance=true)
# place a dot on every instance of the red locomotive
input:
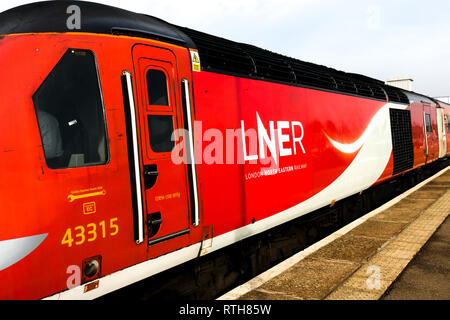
(130, 145)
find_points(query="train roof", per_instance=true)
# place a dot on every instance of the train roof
(443, 104)
(417, 97)
(216, 54)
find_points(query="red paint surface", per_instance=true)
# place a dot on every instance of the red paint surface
(343, 118)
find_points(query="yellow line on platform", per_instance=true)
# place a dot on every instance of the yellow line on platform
(373, 278)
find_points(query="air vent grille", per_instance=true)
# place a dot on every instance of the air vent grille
(402, 142)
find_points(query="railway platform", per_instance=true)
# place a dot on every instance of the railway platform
(374, 257)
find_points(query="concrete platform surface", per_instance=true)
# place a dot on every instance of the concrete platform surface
(427, 276)
(363, 260)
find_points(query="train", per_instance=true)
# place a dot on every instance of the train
(131, 146)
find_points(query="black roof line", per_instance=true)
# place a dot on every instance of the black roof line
(94, 17)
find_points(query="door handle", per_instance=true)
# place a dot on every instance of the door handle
(150, 170)
(150, 175)
(130, 112)
(187, 109)
(153, 224)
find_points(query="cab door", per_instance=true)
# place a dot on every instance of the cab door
(159, 113)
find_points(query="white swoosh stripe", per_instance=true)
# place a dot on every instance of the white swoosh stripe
(374, 155)
(14, 250)
(355, 146)
(351, 147)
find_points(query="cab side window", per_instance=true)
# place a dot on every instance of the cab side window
(157, 88)
(160, 131)
(70, 113)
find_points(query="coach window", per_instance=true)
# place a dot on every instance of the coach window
(448, 123)
(70, 113)
(428, 123)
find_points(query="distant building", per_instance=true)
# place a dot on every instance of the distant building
(403, 83)
(406, 83)
(444, 99)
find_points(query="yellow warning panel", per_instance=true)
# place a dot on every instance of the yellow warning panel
(195, 59)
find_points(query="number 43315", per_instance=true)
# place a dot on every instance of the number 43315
(80, 234)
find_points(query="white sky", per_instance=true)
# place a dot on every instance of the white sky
(378, 38)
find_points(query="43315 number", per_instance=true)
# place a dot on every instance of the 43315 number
(80, 234)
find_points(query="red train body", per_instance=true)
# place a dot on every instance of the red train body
(128, 206)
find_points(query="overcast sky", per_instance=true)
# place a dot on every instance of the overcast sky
(378, 38)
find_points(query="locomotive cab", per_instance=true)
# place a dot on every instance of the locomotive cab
(87, 151)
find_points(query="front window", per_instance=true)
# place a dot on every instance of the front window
(70, 113)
